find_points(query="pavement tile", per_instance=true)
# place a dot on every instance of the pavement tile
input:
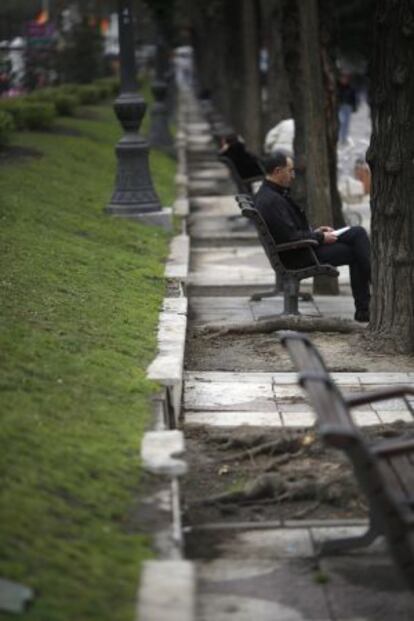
(366, 588)
(283, 590)
(365, 418)
(267, 544)
(233, 419)
(228, 376)
(229, 396)
(392, 416)
(384, 378)
(321, 534)
(298, 419)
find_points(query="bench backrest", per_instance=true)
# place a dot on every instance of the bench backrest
(312, 369)
(386, 478)
(242, 183)
(265, 237)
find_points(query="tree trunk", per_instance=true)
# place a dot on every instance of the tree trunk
(277, 87)
(390, 156)
(252, 99)
(316, 147)
(292, 60)
(326, 26)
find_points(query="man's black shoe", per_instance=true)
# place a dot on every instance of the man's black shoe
(362, 316)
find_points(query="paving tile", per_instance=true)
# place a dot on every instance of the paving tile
(389, 417)
(384, 378)
(365, 588)
(321, 534)
(267, 544)
(288, 391)
(267, 591)
(365, 418)
(228, 396)
(228, 376)
(233, 419)
(298, 419)
(347, 379)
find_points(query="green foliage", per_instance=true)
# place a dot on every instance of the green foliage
(80, 296)
(81, 59)
(6, 127)
(65, 103)
(89, 94)
(29, 114)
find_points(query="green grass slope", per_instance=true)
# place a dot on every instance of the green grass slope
(80, 294)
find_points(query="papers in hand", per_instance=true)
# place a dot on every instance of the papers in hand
(339, 232)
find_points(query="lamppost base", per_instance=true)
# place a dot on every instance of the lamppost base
(161, 218)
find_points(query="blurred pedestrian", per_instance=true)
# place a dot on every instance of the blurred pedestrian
(347, 104)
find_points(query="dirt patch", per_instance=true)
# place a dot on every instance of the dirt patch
(264, 353)
(255, 475)
(13, 154)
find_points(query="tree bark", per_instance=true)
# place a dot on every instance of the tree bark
(316, 145)
(292, 60)
(252, 99)
(390, 156)
(326, 18)
(278, 97)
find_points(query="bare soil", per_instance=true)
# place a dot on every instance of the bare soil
(264, 353)
(256, 474)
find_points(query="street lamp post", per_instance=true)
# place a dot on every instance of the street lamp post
(160, 135)
(134, 195)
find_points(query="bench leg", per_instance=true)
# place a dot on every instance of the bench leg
(278, 290)
(337, 546)
(291, 297)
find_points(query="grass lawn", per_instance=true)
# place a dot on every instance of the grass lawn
(80, 294)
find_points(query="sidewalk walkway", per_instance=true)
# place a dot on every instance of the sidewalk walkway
(267, 571)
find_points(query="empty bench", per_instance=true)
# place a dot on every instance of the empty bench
(290, 278)
(384, 469)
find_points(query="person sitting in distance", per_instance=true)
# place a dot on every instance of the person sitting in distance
(287, 222)
(247, 164)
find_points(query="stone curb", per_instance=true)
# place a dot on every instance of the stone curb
(167, 591)
(168, 586)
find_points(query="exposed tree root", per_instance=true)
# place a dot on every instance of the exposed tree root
(277, 488)
(281, 322)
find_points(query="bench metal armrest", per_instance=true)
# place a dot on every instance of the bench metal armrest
(300, 243)
(379, 395)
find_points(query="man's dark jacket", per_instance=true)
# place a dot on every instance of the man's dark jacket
(286, 221)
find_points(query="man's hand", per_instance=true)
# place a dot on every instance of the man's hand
(329, 237)
(325, 229)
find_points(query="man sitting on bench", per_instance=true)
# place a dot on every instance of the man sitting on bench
(287, 222)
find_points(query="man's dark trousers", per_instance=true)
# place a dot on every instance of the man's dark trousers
(353, 249)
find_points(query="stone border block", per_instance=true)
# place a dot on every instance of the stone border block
(160, 452)
(167, 591)
(179, 258)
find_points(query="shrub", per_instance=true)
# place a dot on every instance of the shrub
(109, 86)
(88, 94)
(29, 114)
(64, 102)
(6, 127)
(39, 115)
(15, 108)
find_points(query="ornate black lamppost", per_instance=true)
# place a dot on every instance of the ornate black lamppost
(134, 195)
(160, 132)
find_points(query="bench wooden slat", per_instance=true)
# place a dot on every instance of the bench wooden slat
(384, 470)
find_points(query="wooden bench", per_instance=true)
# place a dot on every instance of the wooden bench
(383, 469)
(290, 278)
